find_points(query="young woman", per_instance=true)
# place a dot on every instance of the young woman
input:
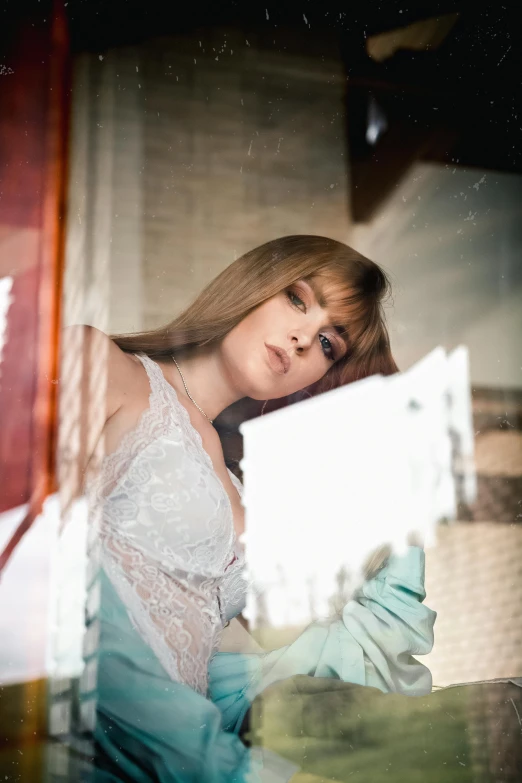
(300, 312)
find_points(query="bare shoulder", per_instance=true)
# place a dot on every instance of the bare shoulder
(126, 378)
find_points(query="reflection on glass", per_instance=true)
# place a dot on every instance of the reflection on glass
(195, 137)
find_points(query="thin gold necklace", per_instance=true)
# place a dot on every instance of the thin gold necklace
(189, 395)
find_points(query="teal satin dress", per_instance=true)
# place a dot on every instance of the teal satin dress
(150, 728)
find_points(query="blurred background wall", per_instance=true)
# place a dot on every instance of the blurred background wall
(216, 146)
(215, 142)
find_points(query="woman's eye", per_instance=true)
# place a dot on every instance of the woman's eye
(327, 347)
(296, 300)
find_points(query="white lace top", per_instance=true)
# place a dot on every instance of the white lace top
(168, 541)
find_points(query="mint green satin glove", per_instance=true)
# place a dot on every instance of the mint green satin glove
(382, 627)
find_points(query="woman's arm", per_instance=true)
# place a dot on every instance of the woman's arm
(381, 629)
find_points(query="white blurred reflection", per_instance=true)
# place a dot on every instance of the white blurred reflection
(385, 452)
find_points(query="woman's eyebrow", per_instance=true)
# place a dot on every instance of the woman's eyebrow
(317, 292)
(341, 330)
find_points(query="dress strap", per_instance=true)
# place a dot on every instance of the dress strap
(159, 414)
(154, 374)
(165, 403)
(163, 397)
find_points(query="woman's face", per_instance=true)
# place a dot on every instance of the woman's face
(284, 345)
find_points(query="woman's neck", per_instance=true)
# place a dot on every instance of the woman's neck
(206, 381)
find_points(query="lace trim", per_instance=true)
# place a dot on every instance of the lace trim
(233, 586)
(183, 654)
(177, 611)
(151, 424)
(189, 428)
(158, 380)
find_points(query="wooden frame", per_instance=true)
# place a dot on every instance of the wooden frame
(33, 163)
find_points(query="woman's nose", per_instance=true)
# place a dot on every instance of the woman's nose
(300, 341)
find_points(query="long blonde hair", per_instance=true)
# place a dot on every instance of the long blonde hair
(351, 287)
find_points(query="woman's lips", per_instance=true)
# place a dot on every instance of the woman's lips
(278, 358)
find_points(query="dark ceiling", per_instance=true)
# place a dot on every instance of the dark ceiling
(101, 23)
(459, 102)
